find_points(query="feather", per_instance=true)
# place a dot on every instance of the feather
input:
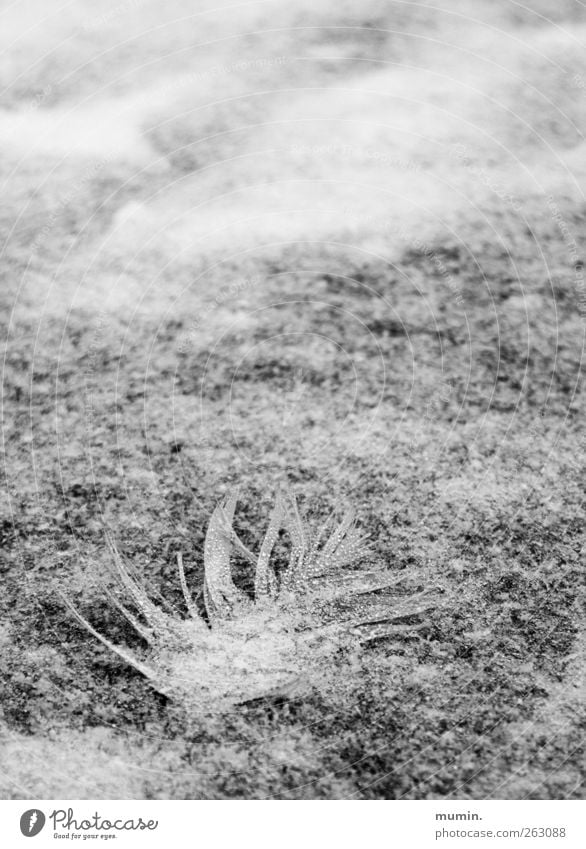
(221, 596)
(192, 609)
(126, 656)
(282, 639)
(265, 583)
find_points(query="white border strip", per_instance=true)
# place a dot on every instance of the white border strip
(305, 825)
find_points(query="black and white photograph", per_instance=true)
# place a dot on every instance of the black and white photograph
(293, 307)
